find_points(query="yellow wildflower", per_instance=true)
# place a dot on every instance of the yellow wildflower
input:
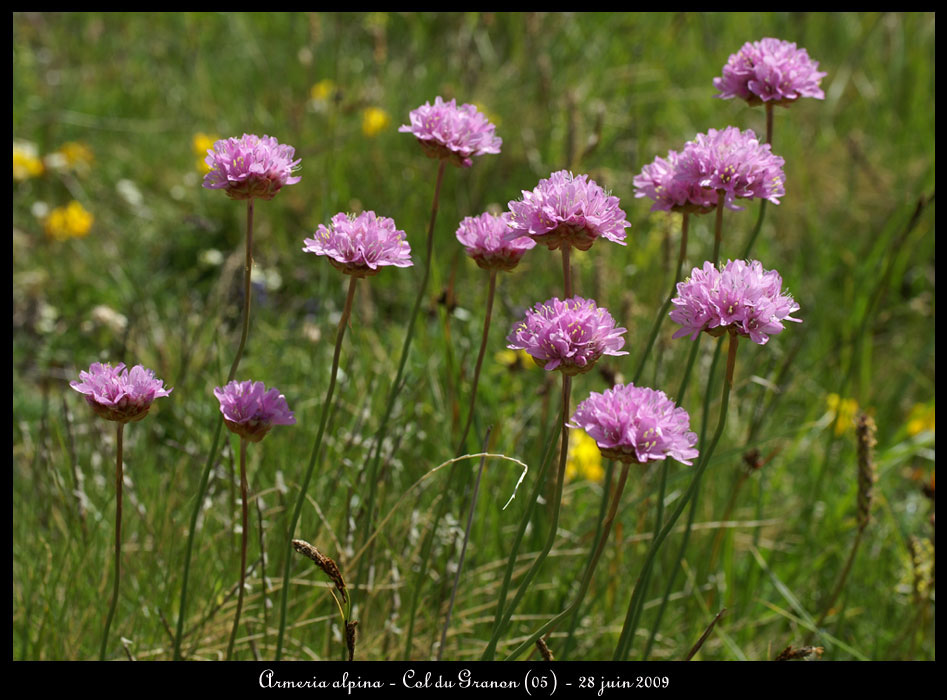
(374, 121)
(846, 410)
(77, 155)
(514, 359)
(921, 418)
(201, 143)
(585, 459)
(26, 161)
(71, 221)
(322, 90)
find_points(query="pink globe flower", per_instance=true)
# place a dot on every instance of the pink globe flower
(360, 244)
(636, 425)
(661, 182)
(735, 162)
(485, 239)
(770, 70)
(250, 410)
(568, 210)
(250, 167)
(740, 297)
(454, 133)
(119, 394)
(568, 335)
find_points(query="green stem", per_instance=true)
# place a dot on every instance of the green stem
(840, 584)
(243, 545)
(118, 537)
(212, 455)
(313, 457)
(662, 314)
(624, 641)
(490, 649)
(553, 530)
(491, 292)
(769, 123)
(718, 226)
(587, 578)
(566, 270)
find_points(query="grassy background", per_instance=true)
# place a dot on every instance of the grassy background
(598, 93)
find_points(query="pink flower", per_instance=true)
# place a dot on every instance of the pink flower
(770, 70)
(360, 245)
(445, 130)
(250, 410)
(733, 161)
(485, 239)
(250, 167)
(568, 335)
(118, 394)
(661, 181)
(741, 297)
(636, 425)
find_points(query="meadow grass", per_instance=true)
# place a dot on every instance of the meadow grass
(598, 93)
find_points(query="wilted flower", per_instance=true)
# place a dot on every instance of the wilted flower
(250, 167)
(359, 245)
(445, 130)
(733, 161)
(374, 121)
(26, 161)
(568, 210)
(568, 335)
(250, 410)
(740, 296)
(70, 221)
(118, 394)
(486, 242)
(660, 181)
(770, 70)
(585, 458)
(636, 425)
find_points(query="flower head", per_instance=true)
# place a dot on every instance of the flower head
(119, 394)
(585, 459)
(485, 239)
(770, 70)
(201, 144)
(250, 410)
(445, 130)
(374, 121)
(568, 335)
(70, 221)
(26, 161)
(359, 245)
(566, 209)
(660, 181)
(740, 296)
(251, 166)
(734, 162)
(636, 425)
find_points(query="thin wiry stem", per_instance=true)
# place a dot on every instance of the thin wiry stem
(245, 525)
(212, 455)
(119, 478)
(718, 226)
(313, 457)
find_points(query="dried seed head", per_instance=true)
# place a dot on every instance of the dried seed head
(544, 650)
(865, 436)
(350, 637)
(791, 653)
(329, 567)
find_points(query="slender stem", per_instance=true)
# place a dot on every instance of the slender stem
(118, 537)
(554, 528)
(840, 584)
(463, 549)
(490, 649)
(245, 525)
(769, 123)
(426, 547)
(566, 270)
(212, 455)
(590, 569)
(718, 225)
(624, 641)
(491, 292)
(662, 314)
(313, 457)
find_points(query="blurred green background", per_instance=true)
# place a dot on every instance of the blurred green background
(119, 254)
